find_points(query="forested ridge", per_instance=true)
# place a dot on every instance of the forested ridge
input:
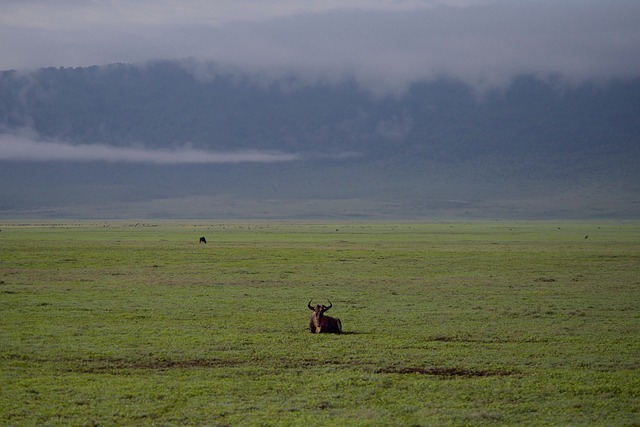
(534, 134)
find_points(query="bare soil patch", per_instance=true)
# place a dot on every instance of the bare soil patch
(445, 372)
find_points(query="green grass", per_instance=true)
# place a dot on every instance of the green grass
(445, 324)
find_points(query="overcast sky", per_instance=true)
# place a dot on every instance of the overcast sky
(384, 44)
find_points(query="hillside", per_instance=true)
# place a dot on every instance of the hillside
(535, 149)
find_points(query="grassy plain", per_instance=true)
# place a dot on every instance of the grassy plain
(445, 324)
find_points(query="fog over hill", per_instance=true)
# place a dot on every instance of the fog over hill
(192, 139)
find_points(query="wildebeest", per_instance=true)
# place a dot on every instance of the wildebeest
(202, 240)
(319, 323)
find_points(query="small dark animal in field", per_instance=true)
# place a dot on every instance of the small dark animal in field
(586, 237)
(319, 323)
(203, 240)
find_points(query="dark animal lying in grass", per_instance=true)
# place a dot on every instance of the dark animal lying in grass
(319, 323)
(203, 240)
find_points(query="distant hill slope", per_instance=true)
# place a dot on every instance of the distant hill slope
(537, 149)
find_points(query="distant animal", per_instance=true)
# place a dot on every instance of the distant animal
(586, 237)
(319, 323)
(202, 240)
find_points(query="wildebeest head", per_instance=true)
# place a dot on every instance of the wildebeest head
(321, 308)
(319, 323)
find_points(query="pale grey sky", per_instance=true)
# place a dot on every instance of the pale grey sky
(384, 44)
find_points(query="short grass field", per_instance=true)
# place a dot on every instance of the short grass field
(494, 323)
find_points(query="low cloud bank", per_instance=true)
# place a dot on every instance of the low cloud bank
(384, 45)
(22, 148)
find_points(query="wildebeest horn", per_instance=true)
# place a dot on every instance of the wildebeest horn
(330, 305)
(309, 305)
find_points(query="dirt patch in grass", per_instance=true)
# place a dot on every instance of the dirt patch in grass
(485, 340)
(101, 365)
(105, 365)
(446, 372)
